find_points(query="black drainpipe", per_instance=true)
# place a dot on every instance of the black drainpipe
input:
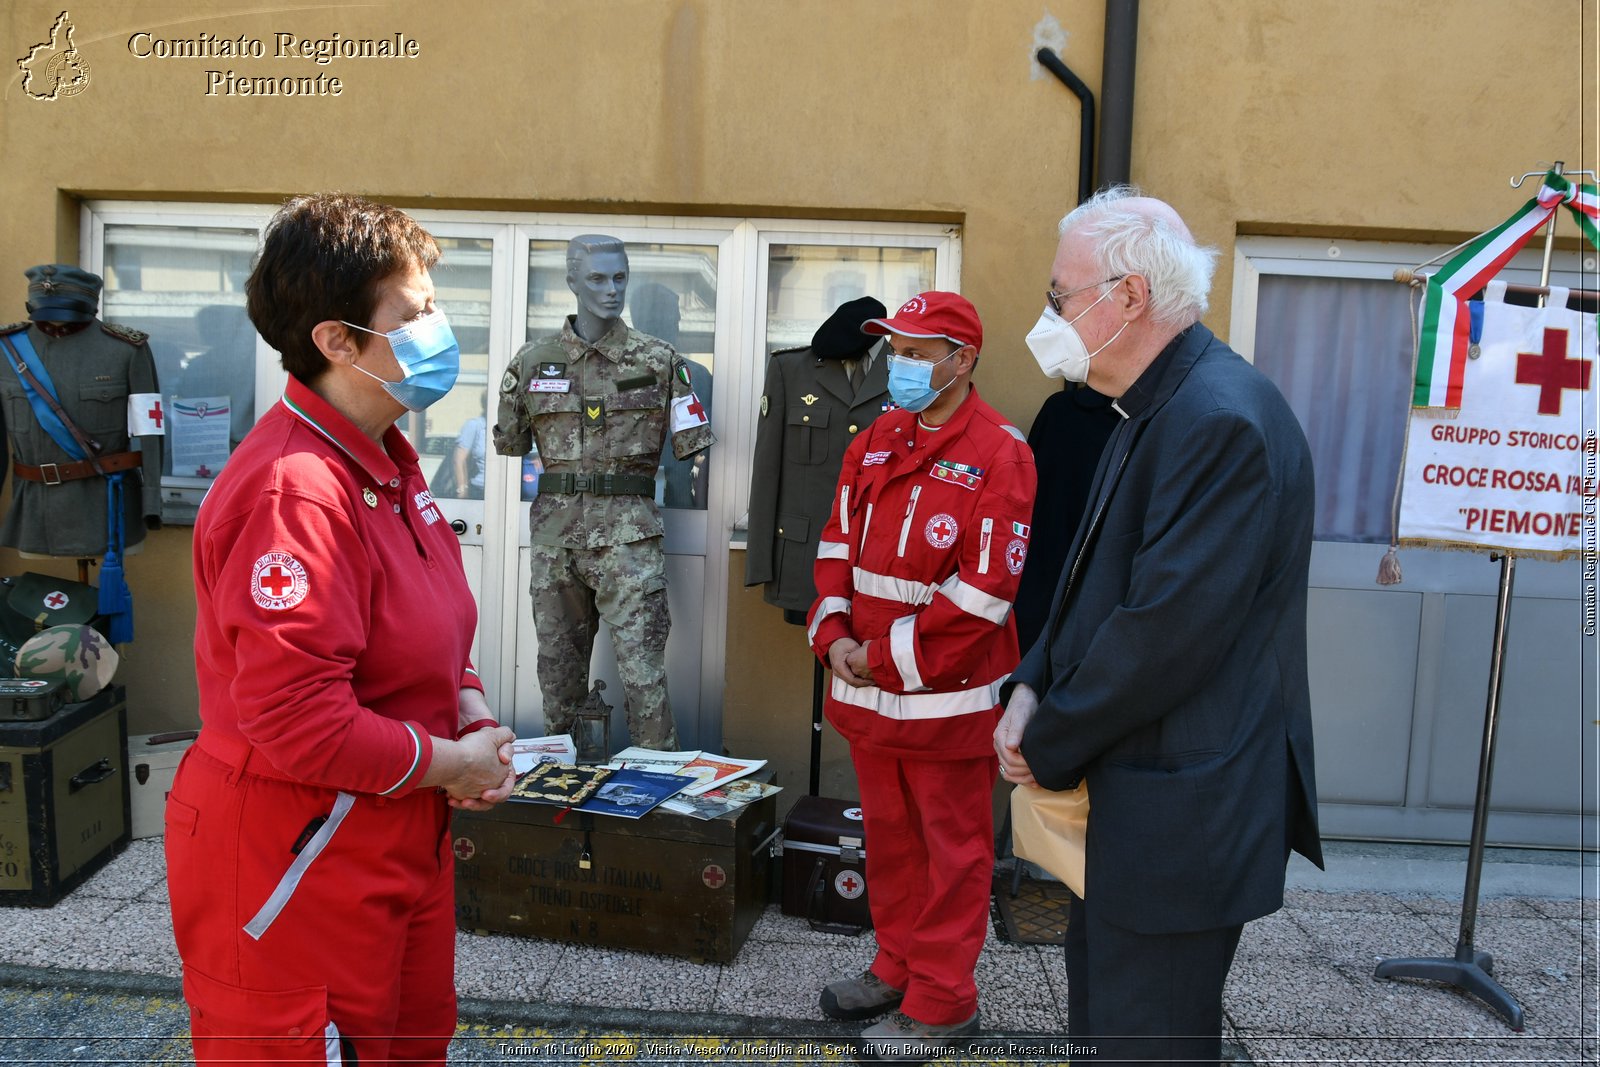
(1116, 91)
(1053, 63)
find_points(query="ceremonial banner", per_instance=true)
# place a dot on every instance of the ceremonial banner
(1515, 469)
(1501, 443)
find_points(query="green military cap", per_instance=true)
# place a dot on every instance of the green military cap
(59, 292)
(79, 656)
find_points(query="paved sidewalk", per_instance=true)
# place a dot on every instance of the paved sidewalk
(1301, 991)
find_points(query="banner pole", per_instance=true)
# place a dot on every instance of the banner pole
(1470, 970)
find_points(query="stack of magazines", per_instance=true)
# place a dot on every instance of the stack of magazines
(636, 781)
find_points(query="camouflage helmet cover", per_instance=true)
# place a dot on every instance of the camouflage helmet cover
(77, 655)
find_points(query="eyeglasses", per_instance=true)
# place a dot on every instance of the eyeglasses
(1057, 299)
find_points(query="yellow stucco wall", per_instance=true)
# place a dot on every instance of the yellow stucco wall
(1361, 118)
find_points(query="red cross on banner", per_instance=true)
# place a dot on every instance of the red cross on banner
(1552, 371)
(275, 580)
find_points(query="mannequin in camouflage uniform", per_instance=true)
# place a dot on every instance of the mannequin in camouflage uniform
(600, 400)
(58, 506)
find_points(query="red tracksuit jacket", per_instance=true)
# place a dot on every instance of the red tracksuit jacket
(921, 558)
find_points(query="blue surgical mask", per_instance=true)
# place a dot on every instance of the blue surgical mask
(911, 382)
(428, 353)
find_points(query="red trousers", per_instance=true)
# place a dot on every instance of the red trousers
(930, 859)
(297, 958)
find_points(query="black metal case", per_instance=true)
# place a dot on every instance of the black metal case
(30, 699)
(825, 864)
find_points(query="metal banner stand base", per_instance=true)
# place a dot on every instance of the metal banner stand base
(1469, 970)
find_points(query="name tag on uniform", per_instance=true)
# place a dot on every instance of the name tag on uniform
(550, 385)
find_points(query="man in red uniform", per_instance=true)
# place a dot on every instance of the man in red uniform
(916, 572)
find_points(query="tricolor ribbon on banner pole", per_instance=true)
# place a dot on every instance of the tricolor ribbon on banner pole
(1446, 323)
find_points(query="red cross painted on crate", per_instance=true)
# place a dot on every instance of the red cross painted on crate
(714, 876)
(1552, 371)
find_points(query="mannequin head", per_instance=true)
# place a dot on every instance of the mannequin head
(597, 274)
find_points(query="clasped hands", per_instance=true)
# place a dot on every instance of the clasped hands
(848, 658)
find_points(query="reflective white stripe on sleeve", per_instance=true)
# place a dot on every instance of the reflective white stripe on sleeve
(903, 650)
(907, 706)
(844, 509)
(833, 605)
(884, 587)
(833, 550)
(291, 878)
(983, 546)
(974, 601)
(866, 523)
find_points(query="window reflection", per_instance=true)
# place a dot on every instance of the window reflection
(184, 286)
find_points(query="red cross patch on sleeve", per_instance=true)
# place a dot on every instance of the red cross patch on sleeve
(278, 582)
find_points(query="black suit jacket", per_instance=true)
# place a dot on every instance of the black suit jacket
(809, 415)
(1172, 672)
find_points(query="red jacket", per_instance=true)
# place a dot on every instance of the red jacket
(334, 622)
(921, 558)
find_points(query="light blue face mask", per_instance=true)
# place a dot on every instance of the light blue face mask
(427, 351)
(911, 382)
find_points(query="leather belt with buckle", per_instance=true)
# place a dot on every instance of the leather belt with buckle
(56, 473)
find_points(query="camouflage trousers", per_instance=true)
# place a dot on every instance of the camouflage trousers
(626, 585)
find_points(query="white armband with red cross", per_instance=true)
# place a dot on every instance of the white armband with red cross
(146, 415)
(687, 413)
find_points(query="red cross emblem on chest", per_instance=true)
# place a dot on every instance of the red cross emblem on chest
(1015, 555)
(941, 530)
(1552, 371)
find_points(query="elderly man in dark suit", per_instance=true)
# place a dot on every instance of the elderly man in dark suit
(1171, 675)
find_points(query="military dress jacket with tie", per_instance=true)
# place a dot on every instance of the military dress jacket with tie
(810, 413)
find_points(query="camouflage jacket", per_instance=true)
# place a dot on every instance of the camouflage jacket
(605, 408)
(93, 370)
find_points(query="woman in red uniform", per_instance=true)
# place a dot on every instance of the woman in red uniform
(308, 847)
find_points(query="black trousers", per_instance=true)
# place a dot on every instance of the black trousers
(1145, 998)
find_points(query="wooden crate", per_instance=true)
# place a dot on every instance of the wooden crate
(63, 798)
(666, 883)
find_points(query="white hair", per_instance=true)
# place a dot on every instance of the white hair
(1127, 240)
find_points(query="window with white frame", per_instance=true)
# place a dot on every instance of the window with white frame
(1327, 322)
(177, 272)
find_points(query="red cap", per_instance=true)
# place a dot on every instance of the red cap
(933, 314)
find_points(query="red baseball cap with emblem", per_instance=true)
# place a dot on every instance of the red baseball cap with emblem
(933, 314)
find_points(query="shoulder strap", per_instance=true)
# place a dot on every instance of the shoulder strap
(41, 395)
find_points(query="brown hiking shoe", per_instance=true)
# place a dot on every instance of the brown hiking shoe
(860, 998)
(902, 1039)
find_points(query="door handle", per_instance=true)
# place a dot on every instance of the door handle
(459, 526)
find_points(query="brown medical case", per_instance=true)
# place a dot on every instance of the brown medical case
(63, 798)
(825, 865)
(664, 883)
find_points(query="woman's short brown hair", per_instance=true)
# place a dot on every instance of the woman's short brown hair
(324, 257)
